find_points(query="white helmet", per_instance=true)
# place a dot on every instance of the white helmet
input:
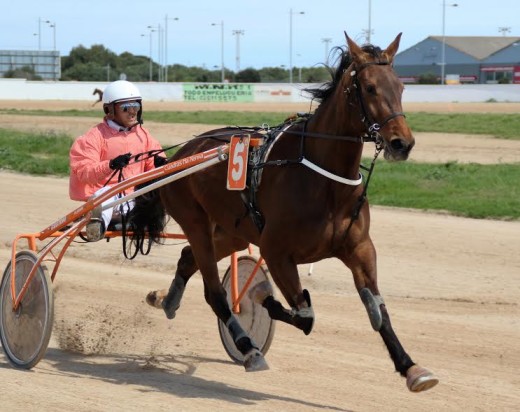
(119, 91)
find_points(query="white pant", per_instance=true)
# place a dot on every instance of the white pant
(113, 213)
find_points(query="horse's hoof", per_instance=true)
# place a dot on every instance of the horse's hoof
(304, 318)
(254, 361)
(260, 292)
(420, 379)
(169, 309)
(153, 299)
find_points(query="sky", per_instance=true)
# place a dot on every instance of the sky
(195, 38)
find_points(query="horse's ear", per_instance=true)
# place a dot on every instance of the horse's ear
(355, 51)
(391, 50)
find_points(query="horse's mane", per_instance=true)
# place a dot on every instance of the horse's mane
(343, 61)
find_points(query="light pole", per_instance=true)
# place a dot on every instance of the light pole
(40, 20)
(238, 33)
(504, 30)
(326, 40)
(290, 42)
(166, 18)
(369, 31)
(150, 36)
(443, 48)
(221, 24)
(160, 51)
(39, 33)
(157, 29)
(151, 61)
(53, 26)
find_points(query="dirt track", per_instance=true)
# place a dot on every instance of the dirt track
(451, 286)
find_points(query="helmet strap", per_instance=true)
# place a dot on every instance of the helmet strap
(109, 110)
(140, 113)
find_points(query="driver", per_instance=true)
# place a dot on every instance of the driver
(108, 147)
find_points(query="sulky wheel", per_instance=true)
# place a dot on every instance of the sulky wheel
(252, 317)
(25, 333)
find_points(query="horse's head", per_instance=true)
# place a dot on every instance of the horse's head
(379, 93)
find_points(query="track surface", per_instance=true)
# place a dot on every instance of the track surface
(451, 286)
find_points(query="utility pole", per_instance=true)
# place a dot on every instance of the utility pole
(238, 33)
(291, 13)
(222, 73)
(326, 40)
(443, 51)
(504, 30)
(166, 18)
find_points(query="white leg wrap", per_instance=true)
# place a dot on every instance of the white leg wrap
(303, 312)
(235, 329)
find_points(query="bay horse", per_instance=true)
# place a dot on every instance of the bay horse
(310, 205)
(99, 93)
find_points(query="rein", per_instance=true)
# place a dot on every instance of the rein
(140, 241)
(363, 197)
(372, 135)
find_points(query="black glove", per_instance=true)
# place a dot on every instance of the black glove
(159, 161)
(120, 161)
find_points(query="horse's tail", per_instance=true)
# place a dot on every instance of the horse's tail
(148, 217)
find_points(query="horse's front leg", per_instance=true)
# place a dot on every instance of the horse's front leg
(362, 263)
(285, 275)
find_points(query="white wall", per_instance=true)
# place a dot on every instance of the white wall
(467, 93)
(21, 89)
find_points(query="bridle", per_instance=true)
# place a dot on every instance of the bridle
(371, 125)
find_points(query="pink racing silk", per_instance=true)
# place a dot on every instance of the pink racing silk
(91, 153)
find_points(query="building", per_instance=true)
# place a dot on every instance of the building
(469, 59)
(46, 64)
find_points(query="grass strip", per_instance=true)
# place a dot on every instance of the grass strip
(503, 126)
(471, 190)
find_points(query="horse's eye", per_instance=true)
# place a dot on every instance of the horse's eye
(371, 89)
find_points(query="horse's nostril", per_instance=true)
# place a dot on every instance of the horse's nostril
(398, 145)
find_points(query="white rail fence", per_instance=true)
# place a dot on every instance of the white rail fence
(21, 89)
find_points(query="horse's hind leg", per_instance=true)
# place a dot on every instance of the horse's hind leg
(169, 299)
(203, 249)
(206, 248)
(362, 262)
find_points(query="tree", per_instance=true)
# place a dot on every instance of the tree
(25, 72)
(428, 78)
(315, 75)
(248, 75)
(85, 72)
(274, 75)
(98, 63)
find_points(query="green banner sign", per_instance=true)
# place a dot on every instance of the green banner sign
(218, 92)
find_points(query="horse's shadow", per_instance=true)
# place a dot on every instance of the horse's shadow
(162, 373)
